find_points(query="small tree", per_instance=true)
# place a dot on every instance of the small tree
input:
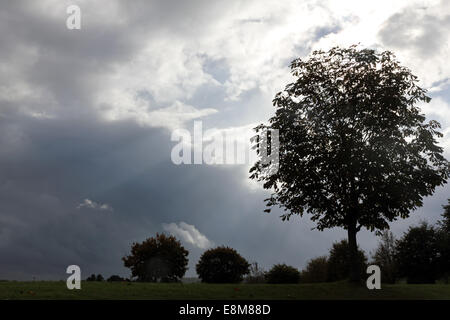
(282, 273)
(339, 260)
(99, 278)
(443, 261)
(92, 277)
(222, 265)
(443, 238)
(316, 270)
(384, 257)
(444, 224)
(354, 148)
(417, 254)
(161, 258)
(256, 274)
(115, 278)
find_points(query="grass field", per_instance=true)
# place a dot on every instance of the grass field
(119, 290)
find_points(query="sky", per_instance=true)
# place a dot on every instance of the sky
(87, 118)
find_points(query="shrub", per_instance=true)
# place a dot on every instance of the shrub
(222, 265)
(282, 273)
(417, 254)
(92, 277)
(161, 258)
(316, 270)
(339, 262)
(115, 278)
(443, 238)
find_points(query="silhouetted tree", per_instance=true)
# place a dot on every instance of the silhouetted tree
(115, 278)
(161, 258)
(417, 254)
(384, 257)
(282, 273)
(222, 265)
(354, 148)
(444, 224)
(443, 261)
(316, 270)
(443, 238)
(99, 278)
(339, 260)
(92, 277)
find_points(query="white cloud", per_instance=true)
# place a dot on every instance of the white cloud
(126, 106)
(189, 234)
(87, 203)
(437, 109)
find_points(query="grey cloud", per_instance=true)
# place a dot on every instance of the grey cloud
(416, 29)
(87, 203)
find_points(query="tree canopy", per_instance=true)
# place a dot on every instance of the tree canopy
(417, 254)
(354, 148)
(160, 258)
(339, 261)
(222, 265)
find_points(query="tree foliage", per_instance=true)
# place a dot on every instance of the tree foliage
(282, 273)
(222, 265)
(316, 270)
(115, 278)
(417, 254)
(384, 257)
(444, 243)
(160, 258)
(354, 149)
(339, 261)
(92, 277)
(444, 224)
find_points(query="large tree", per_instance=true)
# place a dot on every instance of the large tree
(354, 148)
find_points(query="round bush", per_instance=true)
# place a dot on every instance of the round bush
(282, 273)
(339, 262)
(157, 259)
(222, 265)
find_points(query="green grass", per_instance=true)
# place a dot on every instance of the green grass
(106, 290)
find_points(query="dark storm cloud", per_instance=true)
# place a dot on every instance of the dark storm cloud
(59, 164)
(127, 167)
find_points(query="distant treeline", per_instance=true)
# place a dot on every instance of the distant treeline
(421, 255)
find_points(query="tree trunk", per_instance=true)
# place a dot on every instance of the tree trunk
(355, 271)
